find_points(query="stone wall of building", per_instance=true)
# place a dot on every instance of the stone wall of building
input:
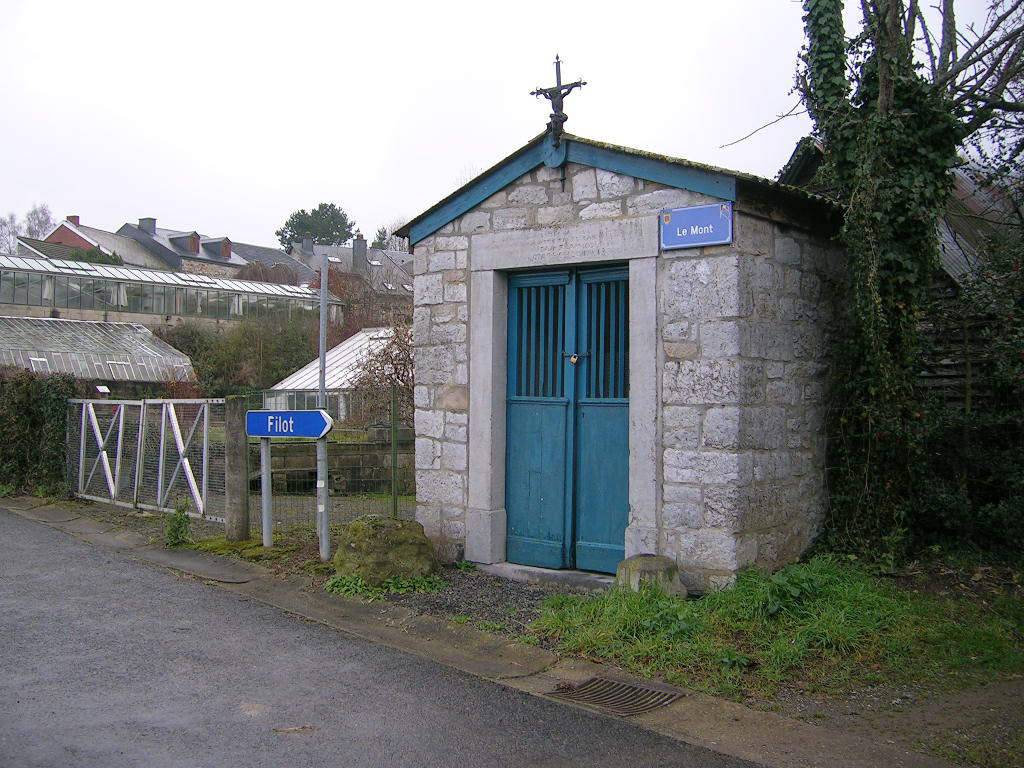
(197, 267)
(745, 345)
(740, 347)
(440, 330)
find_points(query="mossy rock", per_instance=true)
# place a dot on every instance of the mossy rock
(635, 571)
(379, 548)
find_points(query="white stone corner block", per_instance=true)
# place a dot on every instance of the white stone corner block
(485, 535)
(641, 540)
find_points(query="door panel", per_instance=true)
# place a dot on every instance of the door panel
(602, 485)
(602, 420)
(536, 484)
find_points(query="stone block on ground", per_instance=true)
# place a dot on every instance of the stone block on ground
(378, 548)
(657, 570)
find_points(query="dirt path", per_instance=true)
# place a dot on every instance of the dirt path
(977, 727)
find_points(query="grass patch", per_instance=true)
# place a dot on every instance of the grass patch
(827, 625)
(353, 585)
(490, 626)
(317, 567)
(250, 549)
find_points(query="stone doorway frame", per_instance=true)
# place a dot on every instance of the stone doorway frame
(493, 257)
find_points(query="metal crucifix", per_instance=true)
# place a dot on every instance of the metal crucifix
(556, 95)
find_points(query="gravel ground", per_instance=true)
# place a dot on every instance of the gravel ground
(503, 605)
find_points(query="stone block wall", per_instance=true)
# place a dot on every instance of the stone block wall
(209, 269)
(739, 343)
(440, 329)
(745, 355)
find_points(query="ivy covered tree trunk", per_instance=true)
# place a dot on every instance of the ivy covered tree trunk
(890, 140)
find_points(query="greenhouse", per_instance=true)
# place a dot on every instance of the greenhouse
(66, 284)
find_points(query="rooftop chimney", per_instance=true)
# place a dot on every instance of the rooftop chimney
(307, 245)
(148, 225)
(72, 220)
(359, 265)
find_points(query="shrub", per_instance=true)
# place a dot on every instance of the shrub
(33, 431)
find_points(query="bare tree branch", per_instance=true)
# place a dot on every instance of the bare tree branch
(791, 113)
(979, 49)
(910, 23)
(929, 42)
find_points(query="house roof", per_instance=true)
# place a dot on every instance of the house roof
(273, 256)
(671, 171)
(30, 248)
(388, 272)
(163, 252)
(91, 350)
(209, 247)
(126, 248)
(129, 250)
(344, 362)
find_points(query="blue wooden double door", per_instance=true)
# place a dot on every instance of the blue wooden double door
(567, 421)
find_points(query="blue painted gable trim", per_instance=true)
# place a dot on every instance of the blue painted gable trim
(476, 193)
(682, 177)
(678, 176)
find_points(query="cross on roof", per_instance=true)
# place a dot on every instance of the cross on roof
(555, 95)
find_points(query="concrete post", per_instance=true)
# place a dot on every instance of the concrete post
(236, 469)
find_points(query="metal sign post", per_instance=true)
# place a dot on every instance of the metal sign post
(323, 518)
(268, 424)
(266, 501)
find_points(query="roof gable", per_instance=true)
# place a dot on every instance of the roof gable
(670, 171)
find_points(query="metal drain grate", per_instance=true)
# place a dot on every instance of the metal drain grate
(621, 698)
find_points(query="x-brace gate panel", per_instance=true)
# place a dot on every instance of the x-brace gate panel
(112, 475)
(169, 417)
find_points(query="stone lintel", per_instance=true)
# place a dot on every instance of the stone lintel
(587, 242)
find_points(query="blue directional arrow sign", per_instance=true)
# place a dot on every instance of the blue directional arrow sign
(288, 423)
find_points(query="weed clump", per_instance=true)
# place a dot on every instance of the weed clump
(178, 526)
(354, 585)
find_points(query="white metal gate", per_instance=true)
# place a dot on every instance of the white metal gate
(149, 454)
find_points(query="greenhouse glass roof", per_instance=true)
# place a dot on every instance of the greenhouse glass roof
(135, 274)
(91, 350)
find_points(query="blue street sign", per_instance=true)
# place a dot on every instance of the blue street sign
(697, 226)
(287, 423)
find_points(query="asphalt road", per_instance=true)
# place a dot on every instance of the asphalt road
(108, 661)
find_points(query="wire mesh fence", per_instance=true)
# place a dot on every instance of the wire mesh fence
(359, 478)
(367, 473)
(159, 454)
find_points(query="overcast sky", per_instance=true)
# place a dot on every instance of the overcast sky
(224, 117)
